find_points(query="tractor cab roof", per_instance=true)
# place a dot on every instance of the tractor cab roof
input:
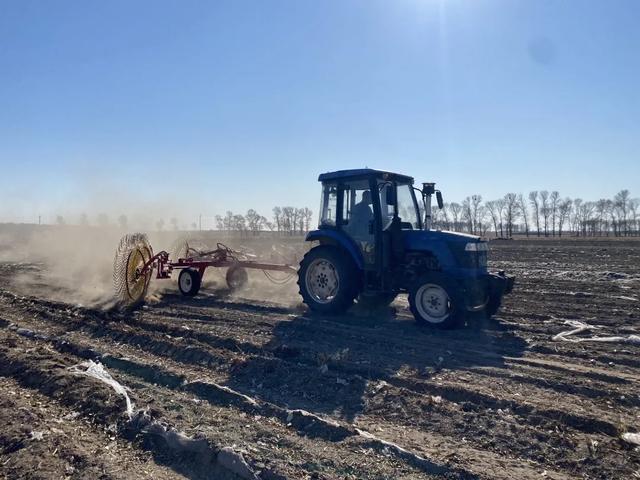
(363, 173)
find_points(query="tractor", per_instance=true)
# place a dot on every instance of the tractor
(375, 240)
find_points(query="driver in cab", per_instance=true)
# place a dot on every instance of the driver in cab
(361, 216)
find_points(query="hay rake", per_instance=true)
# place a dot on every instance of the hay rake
(135, 262)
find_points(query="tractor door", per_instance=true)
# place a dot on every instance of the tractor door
(358, 218)
(399, 213)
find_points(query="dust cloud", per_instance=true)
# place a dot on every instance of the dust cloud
(74, 264)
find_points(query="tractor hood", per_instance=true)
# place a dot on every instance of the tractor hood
(417, 239)
(450, 248)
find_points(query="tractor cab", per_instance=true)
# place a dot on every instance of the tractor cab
(365, 205)
(375, 241)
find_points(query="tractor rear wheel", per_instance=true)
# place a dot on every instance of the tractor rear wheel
(328, 280)
(435, 301)
(189, 282)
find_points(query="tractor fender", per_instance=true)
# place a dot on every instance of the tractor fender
(335, 237)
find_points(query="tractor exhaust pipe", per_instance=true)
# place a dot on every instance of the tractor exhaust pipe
(429, 189)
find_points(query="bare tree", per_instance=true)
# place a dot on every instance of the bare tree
(545, 210)
(455, 209)
(575, 219)
(535, 204)
(228, 221)
(277, 218)
(444, 212)
(174, 223)
(511, 211)
(160, 224)
(239, 224)
(492, 208)
(60, 220)
(467, 214)
(524, 212)
(634, 206)
(477, 212)
(613, 220)
(501, 205)
(307, 216)
(553, 205)
(621, 202)
(254, 221)
(437, 219)
(564, 210)
(123, 222)
(586, 215)
(288, 223)
(219, 223)
(602, 206)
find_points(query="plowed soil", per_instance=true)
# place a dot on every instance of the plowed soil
(227, 386)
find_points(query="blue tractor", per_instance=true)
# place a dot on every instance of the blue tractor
(375, 241)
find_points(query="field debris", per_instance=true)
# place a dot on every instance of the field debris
(96, 370)
(580, 327)
(235, 463)
(633, 438)
(37, 436)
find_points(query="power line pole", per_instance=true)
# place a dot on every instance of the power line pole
(200, 222)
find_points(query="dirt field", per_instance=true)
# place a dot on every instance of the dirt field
(233, 387)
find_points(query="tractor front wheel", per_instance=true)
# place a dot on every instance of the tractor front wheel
(189, 282)
(435, 301)
(328, 280)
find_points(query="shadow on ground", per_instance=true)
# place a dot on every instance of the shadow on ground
(328, 364)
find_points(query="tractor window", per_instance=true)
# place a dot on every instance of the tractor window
(329, 205)
(358, 218)
(407, 206)
(357, 207)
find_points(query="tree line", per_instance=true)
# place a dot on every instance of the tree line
(284, 220)
(542, 213)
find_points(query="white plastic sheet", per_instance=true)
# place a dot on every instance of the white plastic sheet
(633, 438)
(579, 327)
(97, 371)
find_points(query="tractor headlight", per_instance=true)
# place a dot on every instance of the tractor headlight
(476, 247)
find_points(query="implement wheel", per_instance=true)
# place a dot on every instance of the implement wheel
(189, 282)
(237, 277)
(130, 279)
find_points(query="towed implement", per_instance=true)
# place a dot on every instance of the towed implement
(135, 262)
(374, 241)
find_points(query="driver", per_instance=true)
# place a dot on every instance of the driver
(361, 215)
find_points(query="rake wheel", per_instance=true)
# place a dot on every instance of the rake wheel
(129, 281)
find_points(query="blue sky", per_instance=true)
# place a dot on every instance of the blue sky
(181, 107)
